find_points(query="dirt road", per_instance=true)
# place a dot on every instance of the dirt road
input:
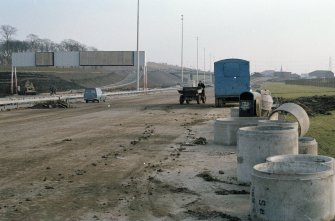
(131, 158)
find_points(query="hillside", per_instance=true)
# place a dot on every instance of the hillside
(159, 75)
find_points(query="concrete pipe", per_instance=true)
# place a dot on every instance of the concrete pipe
(225, 129)
(308, 145)
(255, 144)
(290, 158)
(298, 112)
(329, 161)
(234, 112)
(278, 123)
(296, 191)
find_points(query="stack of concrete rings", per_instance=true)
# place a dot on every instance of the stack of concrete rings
(256, 143)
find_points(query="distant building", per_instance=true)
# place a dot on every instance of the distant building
(304, 76)
(256, 74)
(295, 76)
(321, 74)
(268, 73)
(285, 75)
(282, 74)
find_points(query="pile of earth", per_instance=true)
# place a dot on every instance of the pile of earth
(51, 104)
(315, 105)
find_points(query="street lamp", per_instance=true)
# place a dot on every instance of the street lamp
(204, 65)
(210, 68)
(138, 52)
(182, 49)
(197, 61)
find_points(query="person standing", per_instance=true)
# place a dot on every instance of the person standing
(202, 85)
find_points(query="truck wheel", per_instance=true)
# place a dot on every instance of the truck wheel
(219, 102)
(181, 99)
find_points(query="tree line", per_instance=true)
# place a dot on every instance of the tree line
(33, 43)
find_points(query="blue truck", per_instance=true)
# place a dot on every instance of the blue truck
(232, 77)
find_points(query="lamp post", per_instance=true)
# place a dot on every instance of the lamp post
(138, 52)
(204, 65)
(197, 61)
(210, 62)
(210, 68)
(182, 49)
(12, 82)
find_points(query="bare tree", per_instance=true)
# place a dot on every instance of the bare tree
(6, 32)
(38, 44)
(72, 45)
(45, 44)
(18, 46)
(33, 41)
(91, 48)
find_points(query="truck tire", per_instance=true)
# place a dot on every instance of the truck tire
(219, 102)
(181, 99)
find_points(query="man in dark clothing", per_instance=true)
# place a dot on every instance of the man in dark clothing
(202, 85)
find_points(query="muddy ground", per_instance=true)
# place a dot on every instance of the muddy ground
(315, 105)
(141, 157)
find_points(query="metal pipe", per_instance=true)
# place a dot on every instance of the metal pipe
(182, 49)
(146, 77)
(15, 80)
(138, 53)
(11, 82)
(210, 68)
(197, 61)
(204, 65)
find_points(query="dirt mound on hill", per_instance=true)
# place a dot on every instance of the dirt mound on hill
(315, 105)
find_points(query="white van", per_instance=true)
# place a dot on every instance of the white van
(94, 94)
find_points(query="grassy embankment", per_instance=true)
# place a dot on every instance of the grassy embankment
(65, 78)
(322, 127)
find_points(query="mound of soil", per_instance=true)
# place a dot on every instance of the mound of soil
(51, 104)
(315, 105)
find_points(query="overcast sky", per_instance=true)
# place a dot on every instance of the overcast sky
(297, 34)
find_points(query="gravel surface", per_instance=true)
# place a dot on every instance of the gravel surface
(131, 158)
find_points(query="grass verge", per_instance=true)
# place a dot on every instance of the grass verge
(293, 91)
(322, 127)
